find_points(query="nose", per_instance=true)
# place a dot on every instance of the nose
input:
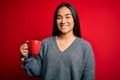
(63, 20)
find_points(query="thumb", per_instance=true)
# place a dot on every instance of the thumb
(27, 41)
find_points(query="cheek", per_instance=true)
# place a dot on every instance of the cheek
(58, 22)
(71, 22)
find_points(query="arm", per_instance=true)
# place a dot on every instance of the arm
(33, 66)
(89, 69)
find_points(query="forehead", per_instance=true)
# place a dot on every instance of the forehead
(63, 11)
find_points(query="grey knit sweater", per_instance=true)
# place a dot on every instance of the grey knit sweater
(75, 63)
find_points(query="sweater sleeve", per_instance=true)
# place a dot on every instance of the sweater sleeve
(33, 67)
(89, 69)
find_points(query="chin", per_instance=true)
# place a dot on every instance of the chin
(64, 32)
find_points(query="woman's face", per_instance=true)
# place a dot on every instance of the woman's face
(65, 22)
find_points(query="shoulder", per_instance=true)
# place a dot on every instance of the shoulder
(86, 47)
(47, 40)
(83, 42)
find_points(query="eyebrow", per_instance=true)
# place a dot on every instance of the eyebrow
(65, 14)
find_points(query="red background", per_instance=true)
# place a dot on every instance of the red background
(22, 20)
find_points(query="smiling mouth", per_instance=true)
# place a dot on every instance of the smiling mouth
(63, 26)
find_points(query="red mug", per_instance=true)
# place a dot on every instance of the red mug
(34, 46)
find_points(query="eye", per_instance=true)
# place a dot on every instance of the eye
(67, 17)
(58, 17)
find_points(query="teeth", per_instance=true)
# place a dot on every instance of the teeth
(63, 26)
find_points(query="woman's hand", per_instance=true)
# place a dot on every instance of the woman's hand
(24, 49)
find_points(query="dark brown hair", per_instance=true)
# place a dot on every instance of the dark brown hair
(76, 29)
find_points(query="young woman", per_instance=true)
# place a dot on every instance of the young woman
(65, 55)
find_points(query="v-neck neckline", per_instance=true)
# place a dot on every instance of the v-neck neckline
(71, 47)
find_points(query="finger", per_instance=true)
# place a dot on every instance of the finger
(24, 46)
(24, 52)
(27, 41)
(24, 49)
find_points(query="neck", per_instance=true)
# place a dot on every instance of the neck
(66, 36)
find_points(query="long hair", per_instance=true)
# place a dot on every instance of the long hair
(76, 28)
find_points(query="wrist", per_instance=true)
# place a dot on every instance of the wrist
(26, 58)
